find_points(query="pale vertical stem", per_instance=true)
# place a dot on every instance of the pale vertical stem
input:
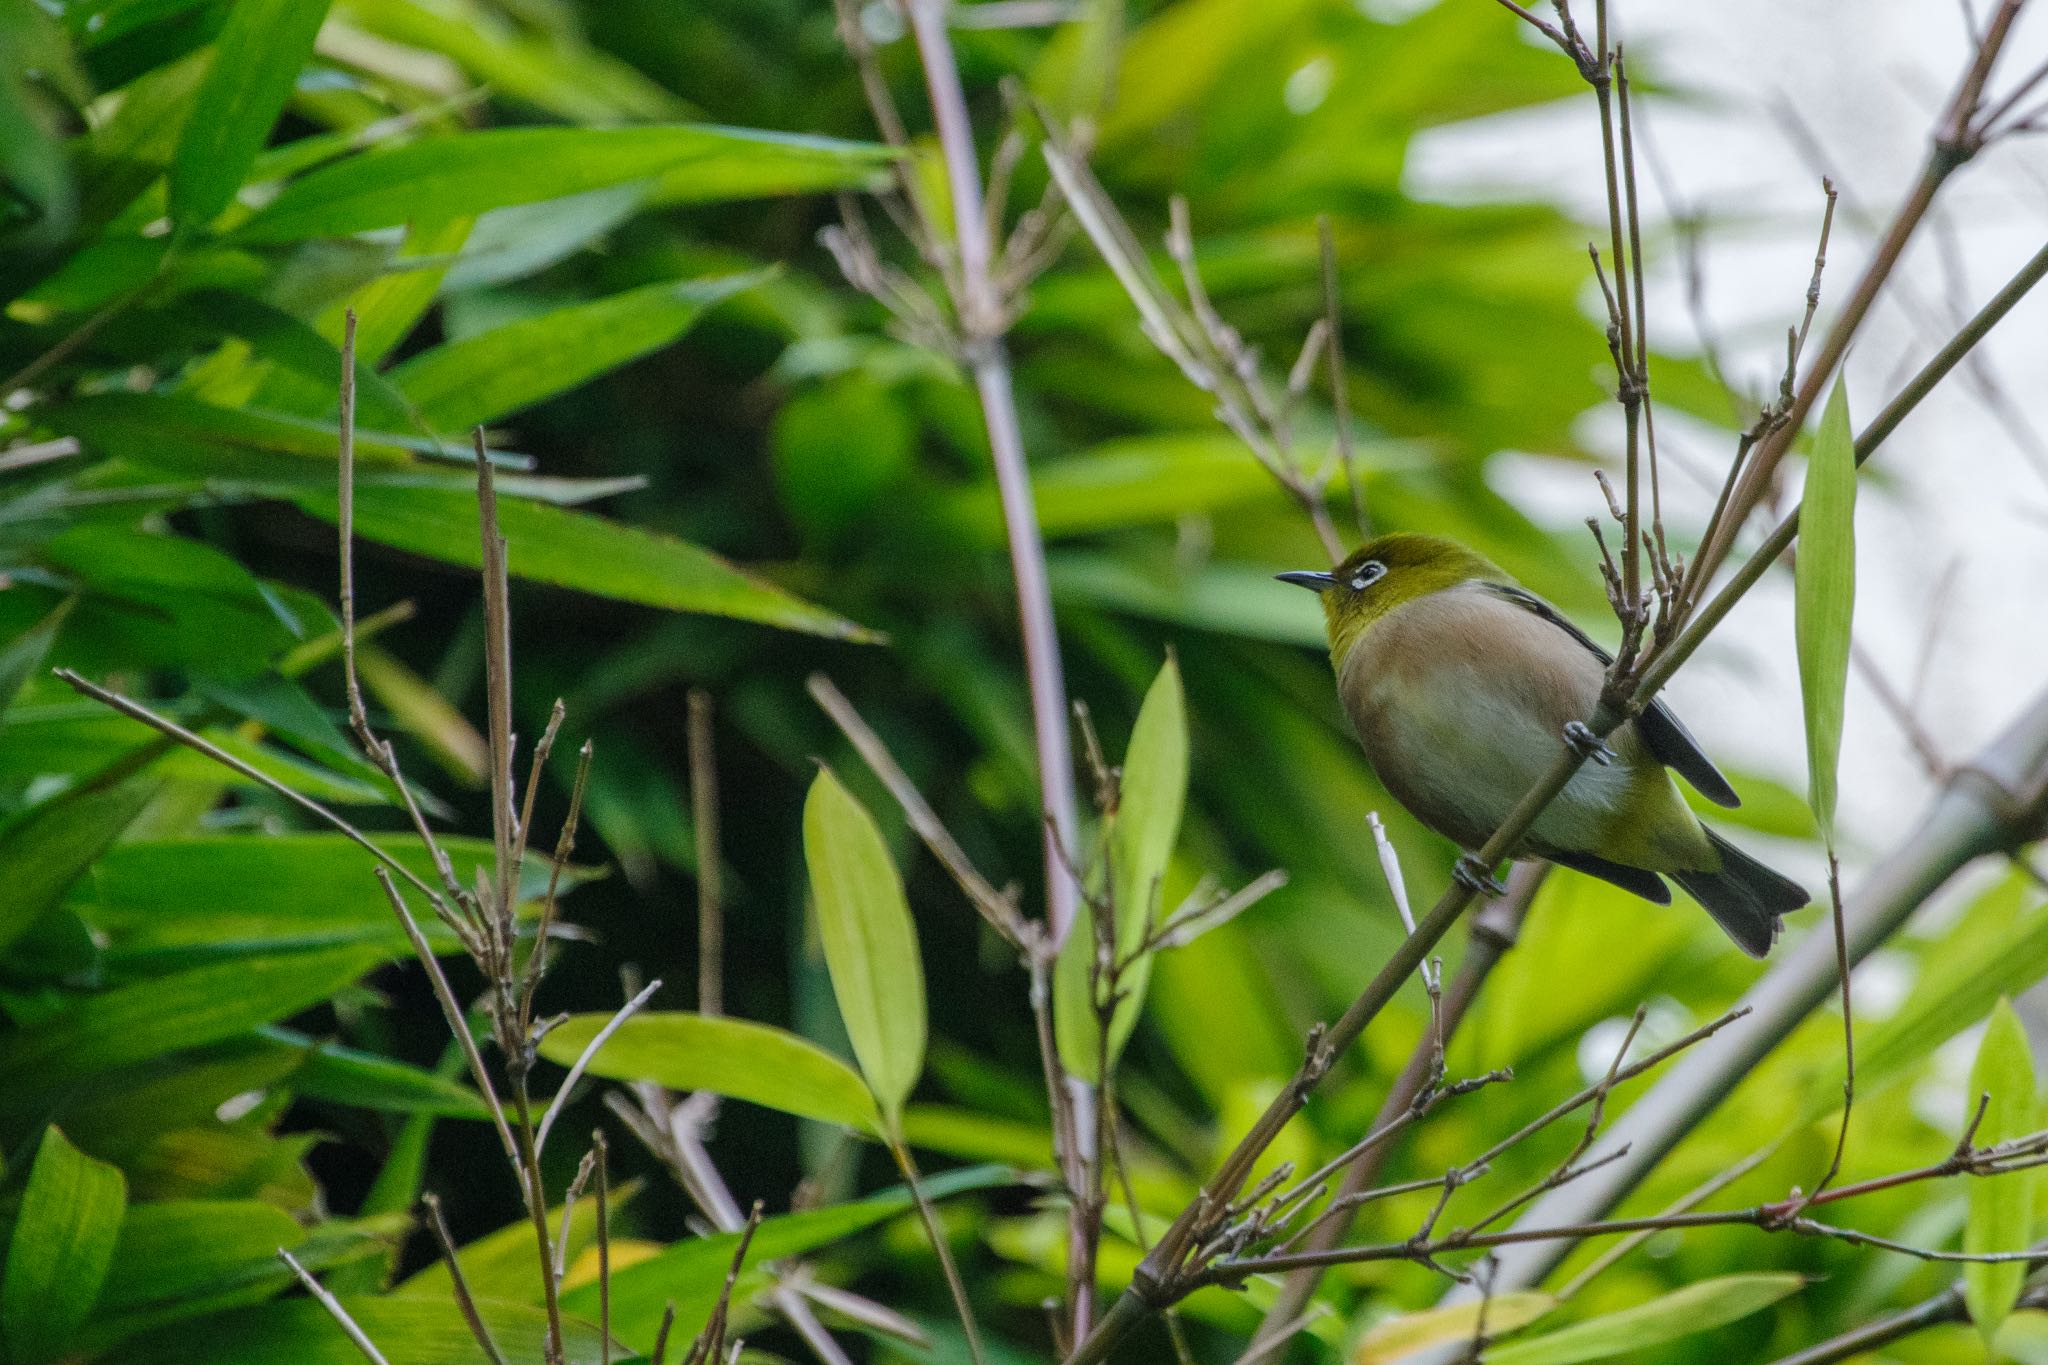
(981, 321)
(710, 882)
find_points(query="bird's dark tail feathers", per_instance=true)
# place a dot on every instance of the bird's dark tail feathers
(1744, 897)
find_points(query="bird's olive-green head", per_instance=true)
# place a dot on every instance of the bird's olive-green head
(1383, 574)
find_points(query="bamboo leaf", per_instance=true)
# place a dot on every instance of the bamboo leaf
(1408, 1333)
(1140, 836)
(50, 845)
(187, 1009)
(870, 941)
(1824, 599)
(63, 1242)
(443, 178)
(23, 656)
(576, 550)
(1668, 1317)
(733, 1057)
(484, 377)
(255, 61)
(2001, 1214)
(409, 1331)
(691, 1273)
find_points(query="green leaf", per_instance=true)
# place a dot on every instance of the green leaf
(1824, 598)
(505, 1265)
(179, 1248)
(1407, 1333)
(63, 1241)
(407, 1331)
(575, 550)
(2001, 1207)
(50, 845)
(732, 1057)
(151, 1018)
(23, 657)
(484, 377)
(365, 1080)
(1141, 835)
(690, 1274)
(223, 895)
(1668, 1317)
(870, 941)
(443, 178)
(255, 61)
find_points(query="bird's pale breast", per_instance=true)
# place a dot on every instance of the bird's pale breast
(1460, 698)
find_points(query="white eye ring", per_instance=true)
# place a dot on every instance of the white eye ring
(1369, 573)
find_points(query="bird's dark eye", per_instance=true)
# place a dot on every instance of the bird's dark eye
(1369, 573)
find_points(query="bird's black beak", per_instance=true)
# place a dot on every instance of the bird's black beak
(1308, 578)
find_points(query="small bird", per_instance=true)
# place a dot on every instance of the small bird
(1461, 685)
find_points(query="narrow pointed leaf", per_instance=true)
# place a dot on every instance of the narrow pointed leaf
(22, 658)
(187, 1009)
(1141, 835)
(870, 941)
(49, 846)
(62, 1244)
(255, 61)
(1401, 1336)
(1825, 598)
(2001, 1214)
(485, 377)
(731, 1057)
(442, 178)
(576, 550)
(691, 1273)
(1668, 1317)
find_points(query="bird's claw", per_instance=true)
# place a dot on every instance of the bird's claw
(1476, 877)
(1581, 740)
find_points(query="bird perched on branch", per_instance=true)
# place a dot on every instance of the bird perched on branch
(1462, 685)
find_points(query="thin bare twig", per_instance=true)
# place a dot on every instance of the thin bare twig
(590, 1050)
(334, 1309)
(464, 1300)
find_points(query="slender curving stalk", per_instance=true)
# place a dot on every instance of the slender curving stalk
(982, 323)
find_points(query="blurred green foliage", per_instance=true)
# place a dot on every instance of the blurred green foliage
(592, 228)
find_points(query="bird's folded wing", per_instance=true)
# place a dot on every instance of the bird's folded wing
(1669, 740)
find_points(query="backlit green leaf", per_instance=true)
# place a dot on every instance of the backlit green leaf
(256, 59)
(1825, 598)
(2001, 1207)
(442, 178)
(484, 377)
(576, 550)
(1410, 1332)
(407, 1331)
(869, 938)
(63, 1241)
(150, 1018)
(733, 1057)
(49, 846)
(690, 1274)
(1695, 1308)
(1141, 835)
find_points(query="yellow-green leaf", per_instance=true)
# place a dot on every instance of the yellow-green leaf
(1681, 1313)
(1411, 1332)
(733, 1057)
(1824, 598)
(1140, 837)
(2001, 1207)
(63, 1242)
(870, 941)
